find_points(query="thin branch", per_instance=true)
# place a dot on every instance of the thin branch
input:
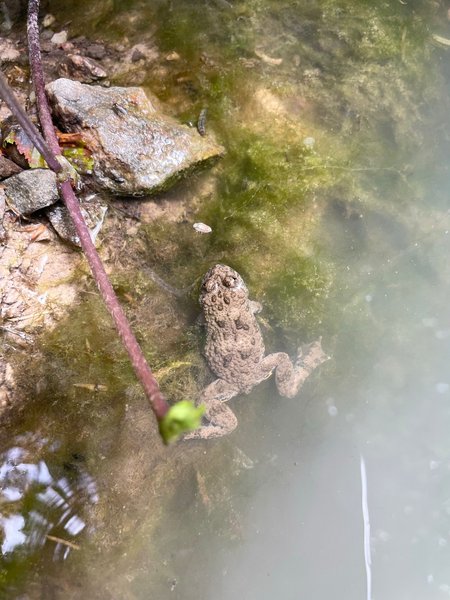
(59, 540)
(37, 72)
(141, 368)
(50, 150)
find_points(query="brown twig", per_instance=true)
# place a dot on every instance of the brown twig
(59, 540)
(50, 150)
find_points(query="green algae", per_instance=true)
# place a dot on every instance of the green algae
(360, 70)
(354, 81)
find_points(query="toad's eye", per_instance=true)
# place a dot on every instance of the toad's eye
(209, 285)
(229, 281)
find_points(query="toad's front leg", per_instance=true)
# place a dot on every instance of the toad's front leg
(220, 418)
(289, 376)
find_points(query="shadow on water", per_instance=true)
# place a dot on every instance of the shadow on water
(332, 201)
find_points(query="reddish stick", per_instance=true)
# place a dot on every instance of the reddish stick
(143, 372)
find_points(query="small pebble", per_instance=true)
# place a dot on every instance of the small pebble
(137, 55)
(59, 38)
(173, 56)
(48, 20)
(96, 51)
(47, 35)
(202, 228)
(309, 142)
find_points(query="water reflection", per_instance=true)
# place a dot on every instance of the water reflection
(37, 507)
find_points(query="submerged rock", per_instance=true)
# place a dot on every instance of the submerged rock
(96, 51)
(31, 190)
(82, 68)
(136, 149)
(93, 213)
(59, 38)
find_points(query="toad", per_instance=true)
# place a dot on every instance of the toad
(235, 352)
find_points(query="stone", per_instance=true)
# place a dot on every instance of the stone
(31, 190)
(93, 213)
(173, 56)
(137, 150)
(48, 20)
(59, 38)
(8, 51)
(137, 55)
(143, 51)
(46, 36)
(202, 228)
(82, 68)
(96, 51)
(8, 167)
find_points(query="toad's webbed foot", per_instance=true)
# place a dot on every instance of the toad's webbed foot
(220, 418)
(289, 377)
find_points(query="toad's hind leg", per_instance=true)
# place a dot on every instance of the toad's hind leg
(221, 420)
(289, 376)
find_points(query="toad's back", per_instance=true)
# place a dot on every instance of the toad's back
(234, 345)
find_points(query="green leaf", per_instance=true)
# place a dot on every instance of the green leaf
(181, 417)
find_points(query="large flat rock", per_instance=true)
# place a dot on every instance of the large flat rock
(136, 149)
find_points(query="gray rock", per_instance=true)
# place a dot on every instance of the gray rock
(96, 51)
(31, 190)
(8, 167)
(136, 149)
(59, 38)
(143, 51)
(137, 55)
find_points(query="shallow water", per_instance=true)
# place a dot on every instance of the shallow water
(333, 203)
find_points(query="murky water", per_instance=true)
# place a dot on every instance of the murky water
(333, 203)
